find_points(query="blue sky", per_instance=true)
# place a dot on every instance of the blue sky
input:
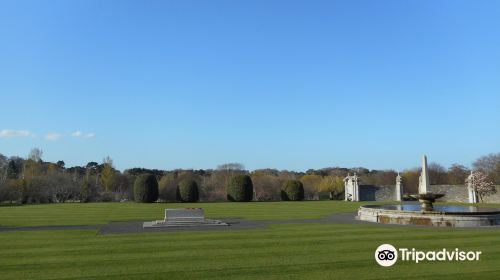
(280, 84)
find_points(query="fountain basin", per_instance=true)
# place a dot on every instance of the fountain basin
(440, 215)
(427, 199)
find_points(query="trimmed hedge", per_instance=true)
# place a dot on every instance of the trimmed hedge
(240, 189)
(146, 188)
(292, 190)
(187, 191)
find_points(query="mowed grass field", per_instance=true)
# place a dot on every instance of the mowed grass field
(101, 213)
(285, 251)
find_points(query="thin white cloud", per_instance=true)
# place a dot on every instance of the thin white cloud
(80, 134)
(53, 136)
(77, 133)
(9, 133)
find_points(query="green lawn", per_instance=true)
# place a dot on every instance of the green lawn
(298, 251)
(100, 213)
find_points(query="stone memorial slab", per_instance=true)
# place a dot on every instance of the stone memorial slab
(184, 217)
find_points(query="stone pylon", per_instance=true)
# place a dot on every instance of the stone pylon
(424, 182)
(471, 190)
(399, 188)
(351, 184)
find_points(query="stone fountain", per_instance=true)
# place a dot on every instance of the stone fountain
(424, 197)
(426, 213)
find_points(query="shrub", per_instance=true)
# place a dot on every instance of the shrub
(88, 192)
(36, 190)
(108, 197)
(292, 190)
(11, 190)
(145, 188)
(240, 188)
(167, 188)
(187, 191)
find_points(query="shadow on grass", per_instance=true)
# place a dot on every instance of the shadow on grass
(8, 204)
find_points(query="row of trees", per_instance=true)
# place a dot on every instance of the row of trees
(239, 189)
(32, 180)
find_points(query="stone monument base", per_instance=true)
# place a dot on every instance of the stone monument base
(186, 217)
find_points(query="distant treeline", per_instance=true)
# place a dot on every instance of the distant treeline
(32, 180)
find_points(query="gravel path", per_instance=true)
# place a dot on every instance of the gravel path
(234, 224)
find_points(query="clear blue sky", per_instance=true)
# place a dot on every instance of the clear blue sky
(281, 84)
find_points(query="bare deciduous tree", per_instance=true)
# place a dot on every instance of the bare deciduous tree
(234, 166)
(35, 155)
(267, 187)
(4, 163)
(457, 174)
(108, 175)
(489, 164)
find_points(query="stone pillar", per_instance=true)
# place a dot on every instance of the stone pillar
(348, 187)
(472, 192)
(351, 187)
(399, 188)
(355, 187)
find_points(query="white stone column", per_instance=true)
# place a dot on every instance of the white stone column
(472, 192)
(399, 188)
(348, 187)
(355, 186)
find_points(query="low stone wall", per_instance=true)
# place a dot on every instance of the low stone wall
(452, 193)
(458, 193)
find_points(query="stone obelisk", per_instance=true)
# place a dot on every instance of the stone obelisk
(424, 182)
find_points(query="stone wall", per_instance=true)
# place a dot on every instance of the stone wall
(377, 193)
(458, 193)
(453, 193)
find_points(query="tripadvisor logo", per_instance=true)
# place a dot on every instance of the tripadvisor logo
(387, 255)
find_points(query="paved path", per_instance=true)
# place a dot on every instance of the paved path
(35, 228)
